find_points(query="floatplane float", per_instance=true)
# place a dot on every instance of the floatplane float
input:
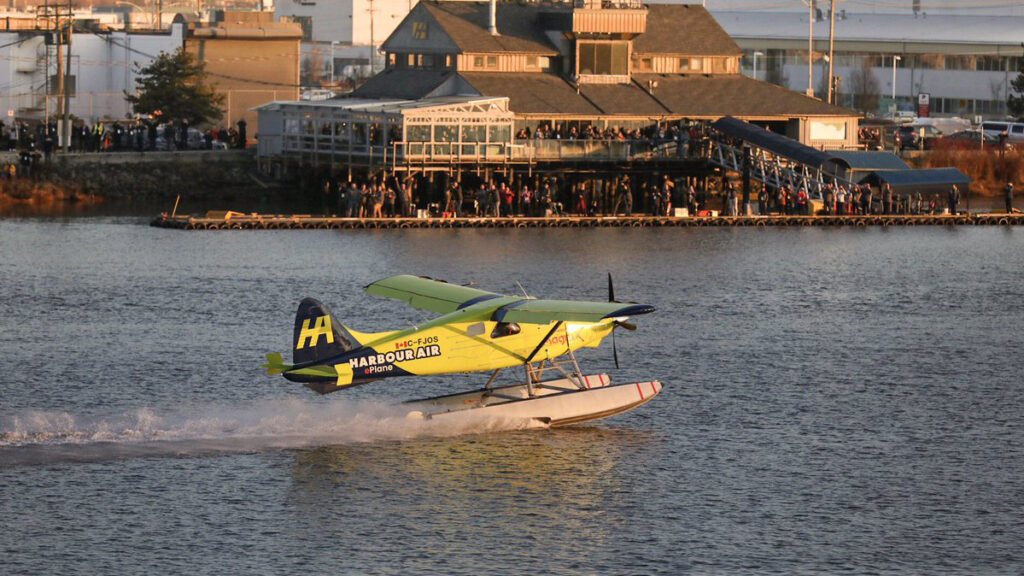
(478, 331)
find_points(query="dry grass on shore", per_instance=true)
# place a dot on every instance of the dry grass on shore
(989, 169)
(26, 193)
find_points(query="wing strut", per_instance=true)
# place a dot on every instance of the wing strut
(543, 341)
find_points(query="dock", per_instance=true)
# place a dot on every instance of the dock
(238, 221)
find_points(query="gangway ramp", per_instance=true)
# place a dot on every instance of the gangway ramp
(775, 160)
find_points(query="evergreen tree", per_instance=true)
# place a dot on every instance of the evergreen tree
(173, 88)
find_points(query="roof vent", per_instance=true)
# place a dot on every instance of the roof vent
(492, 21)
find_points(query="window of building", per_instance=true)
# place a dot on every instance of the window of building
(478, 61)
(492, 61)
(417, 133)
(603, 58)
(531, 62)
(689, 64)
(410, 60)
(989, 63)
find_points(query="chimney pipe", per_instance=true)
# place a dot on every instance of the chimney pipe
(493, 18)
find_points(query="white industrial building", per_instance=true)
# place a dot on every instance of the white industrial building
(341, 37)
(960, 56)
(103, 69)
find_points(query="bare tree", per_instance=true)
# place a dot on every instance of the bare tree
(865, 89)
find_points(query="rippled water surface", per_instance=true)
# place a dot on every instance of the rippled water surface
(836, 401)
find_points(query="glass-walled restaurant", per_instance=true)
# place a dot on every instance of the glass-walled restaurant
(375, 132)
(434, 130)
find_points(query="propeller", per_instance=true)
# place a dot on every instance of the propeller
(611, 298)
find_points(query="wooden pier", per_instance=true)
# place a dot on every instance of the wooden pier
(238, 221)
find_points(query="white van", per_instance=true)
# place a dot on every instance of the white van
(1014, 130)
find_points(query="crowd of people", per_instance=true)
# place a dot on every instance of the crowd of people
(660, 132)
(119, 136)
(650, 195)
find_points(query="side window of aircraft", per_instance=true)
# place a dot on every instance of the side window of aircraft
(475, 329)
(505, 329)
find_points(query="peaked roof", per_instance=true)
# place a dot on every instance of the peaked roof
(684, 29)
(466, 24)
(408, 84)
(532, 93)
(698, 95)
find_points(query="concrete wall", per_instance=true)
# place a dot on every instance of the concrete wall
(153, 174)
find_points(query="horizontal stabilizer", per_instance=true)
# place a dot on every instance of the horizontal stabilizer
(275, 363)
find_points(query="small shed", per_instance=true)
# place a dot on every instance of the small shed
(856, 165)
(925, 181)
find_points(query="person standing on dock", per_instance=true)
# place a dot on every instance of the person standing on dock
(887, 199)
(1008, 196)
(954, 199)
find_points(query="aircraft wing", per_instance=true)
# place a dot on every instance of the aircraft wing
(428, 294)
(547, 311)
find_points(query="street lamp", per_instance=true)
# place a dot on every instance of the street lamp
(810, 48)
(333, 43)
(756, 54)
(895, 59)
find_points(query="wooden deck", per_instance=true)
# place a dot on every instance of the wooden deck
(237, 221)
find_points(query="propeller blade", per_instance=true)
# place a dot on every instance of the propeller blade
(615, 351)
(627, 325)
(611, 289)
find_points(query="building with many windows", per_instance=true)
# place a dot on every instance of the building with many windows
(961, 58)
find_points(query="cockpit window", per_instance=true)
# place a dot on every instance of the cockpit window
(505, 329)
(475, 329)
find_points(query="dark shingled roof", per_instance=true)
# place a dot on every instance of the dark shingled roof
(684, 29)
(532, 93)
(718, 95)
(403, 83)
(466, 24)
(684, 96)
(623, 99)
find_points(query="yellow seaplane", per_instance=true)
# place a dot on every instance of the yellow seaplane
(477, 331)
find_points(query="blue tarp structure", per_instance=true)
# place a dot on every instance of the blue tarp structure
(774, 143)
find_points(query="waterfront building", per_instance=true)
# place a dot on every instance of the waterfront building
(569, 70)
(956, 57)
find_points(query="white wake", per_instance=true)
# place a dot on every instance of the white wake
(267, 424)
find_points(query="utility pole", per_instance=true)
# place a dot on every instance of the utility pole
(46, 66)
(373, 48)
(831, 45)
(67, 89)
(58, 37)
(810, 48)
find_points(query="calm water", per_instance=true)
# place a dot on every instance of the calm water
(837, 401)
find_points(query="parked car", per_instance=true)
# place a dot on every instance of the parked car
(911, 136)
(969, 140)
(1012, 131)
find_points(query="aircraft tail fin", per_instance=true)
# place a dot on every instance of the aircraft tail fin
(318, 335)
